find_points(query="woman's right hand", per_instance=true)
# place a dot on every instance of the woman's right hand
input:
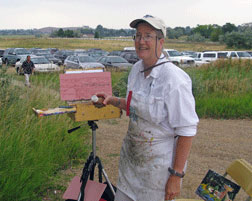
(107, 98)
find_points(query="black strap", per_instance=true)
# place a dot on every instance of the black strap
(151, 67)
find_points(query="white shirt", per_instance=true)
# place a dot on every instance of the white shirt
(161, 108)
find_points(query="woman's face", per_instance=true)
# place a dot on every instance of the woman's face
(145, 43)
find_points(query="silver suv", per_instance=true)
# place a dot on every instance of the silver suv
(12, 55)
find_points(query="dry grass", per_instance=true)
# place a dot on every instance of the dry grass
(109, 45)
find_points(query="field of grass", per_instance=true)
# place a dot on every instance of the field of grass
(223, 89)
(33, 150)
(108, 45)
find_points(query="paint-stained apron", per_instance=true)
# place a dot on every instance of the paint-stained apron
(147, 151)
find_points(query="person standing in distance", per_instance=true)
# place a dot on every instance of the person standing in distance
(28, 69)
(163, 120)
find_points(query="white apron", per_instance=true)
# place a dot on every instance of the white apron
(147, 151)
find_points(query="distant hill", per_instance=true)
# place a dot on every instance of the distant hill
(48, 30)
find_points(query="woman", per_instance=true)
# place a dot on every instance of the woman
(162, 123)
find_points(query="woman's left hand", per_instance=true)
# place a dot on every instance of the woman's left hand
(172, 188)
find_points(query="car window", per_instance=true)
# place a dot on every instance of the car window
(118, 60)
(11, 51)
(174, 53)
(233, 54)
(209, 55)
(222, 55)
(22, 51)
(243, 54)
(88, 59)
(103, 59)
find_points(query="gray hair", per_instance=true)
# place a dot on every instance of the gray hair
(159, 34)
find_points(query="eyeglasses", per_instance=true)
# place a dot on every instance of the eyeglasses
(146, 38)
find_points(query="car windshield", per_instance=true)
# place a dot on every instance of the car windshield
(22, 51)
(40, 60)
(174, 53)
(243, 54)
(118, 60)
(194, 55)
(86, 59)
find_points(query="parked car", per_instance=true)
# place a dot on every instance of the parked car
(63, 54)
(197, 56)
(40, 52)
(178, 58)
(1, 53)
(52, 59)
(41, 65)
(130, 56)
(80, 51)
(84, 62)
(96, 53)
(116, 62)
(250, 52)
(188, 53)
(238, 55)
(52, 50)
(12, 55)
(115, 53)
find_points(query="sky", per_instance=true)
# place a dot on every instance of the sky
(117, 14)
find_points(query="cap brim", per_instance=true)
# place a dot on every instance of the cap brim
(134, 23)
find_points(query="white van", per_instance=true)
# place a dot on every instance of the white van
(238, 55)
(210, 56)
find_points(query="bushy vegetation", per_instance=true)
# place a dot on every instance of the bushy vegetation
(33, 149)
(221, 89)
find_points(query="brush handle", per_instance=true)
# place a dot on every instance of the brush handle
(73, 129)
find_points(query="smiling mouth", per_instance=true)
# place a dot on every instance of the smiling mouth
(142, 48)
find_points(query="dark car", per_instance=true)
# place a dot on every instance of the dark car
(51, 58)
(1, 53)
(63, 54)
(115, 62)
(52, 50)
(130, 56)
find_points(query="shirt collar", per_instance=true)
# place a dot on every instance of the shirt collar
(155, 71)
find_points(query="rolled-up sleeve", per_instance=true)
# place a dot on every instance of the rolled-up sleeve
(180, 104)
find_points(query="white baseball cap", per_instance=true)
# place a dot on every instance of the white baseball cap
(155, 22)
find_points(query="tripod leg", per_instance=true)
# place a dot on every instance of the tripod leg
(109, 183)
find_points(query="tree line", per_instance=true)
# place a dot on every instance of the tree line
(229, 34)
